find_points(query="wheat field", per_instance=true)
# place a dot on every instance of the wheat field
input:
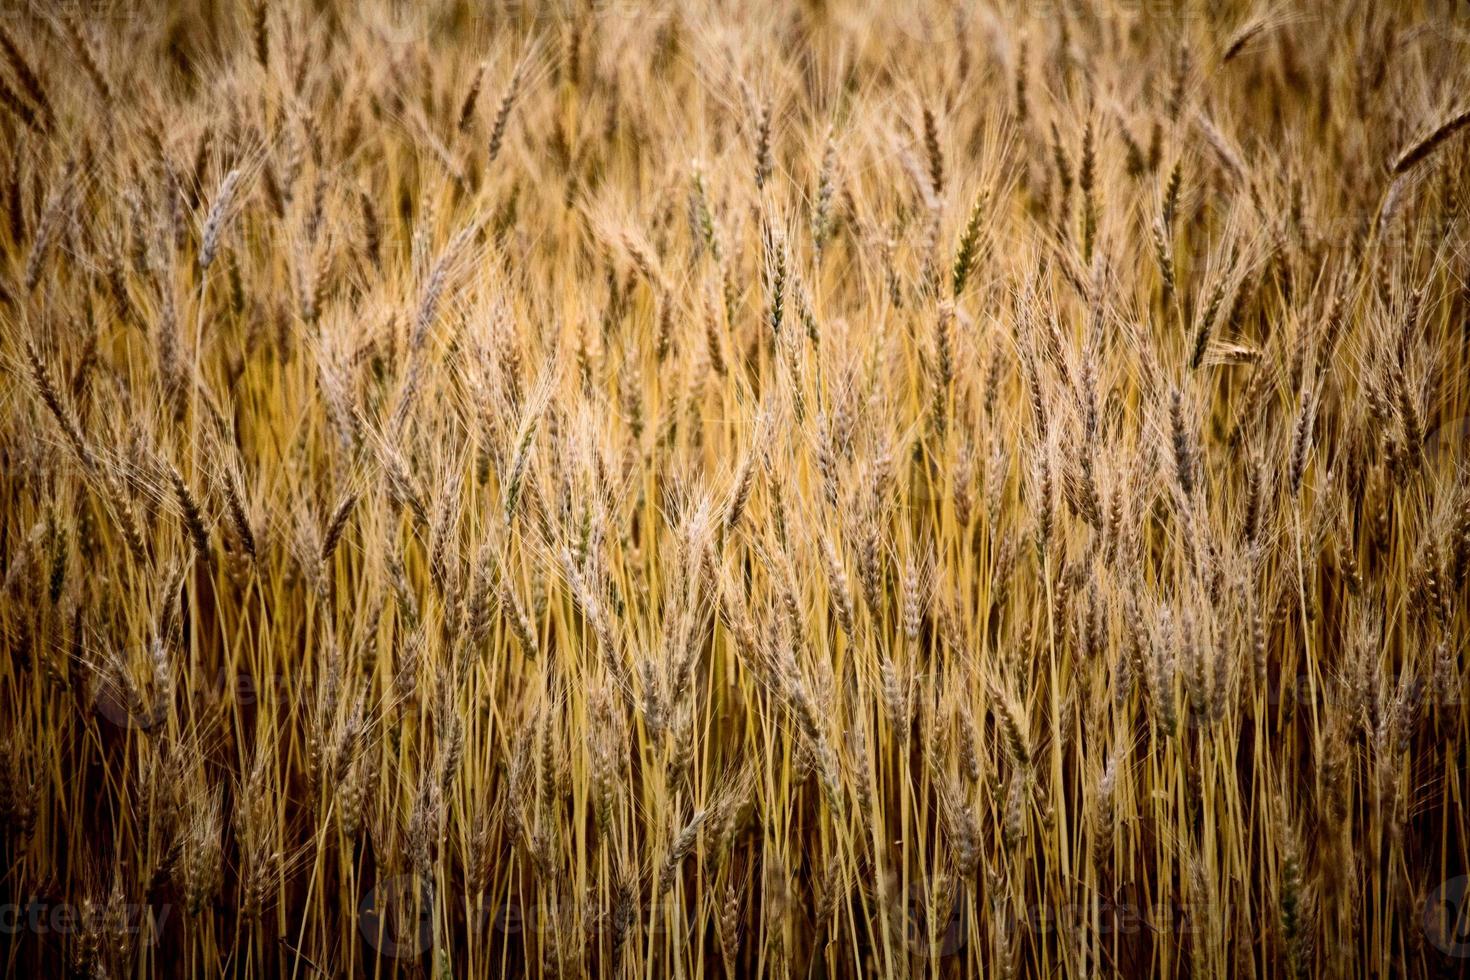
(599, 488)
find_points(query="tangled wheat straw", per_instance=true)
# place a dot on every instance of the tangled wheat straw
(734, 489)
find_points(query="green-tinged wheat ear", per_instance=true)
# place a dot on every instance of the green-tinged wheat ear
(1087, 180)
(1164, 255)
(502, 113)
(336, 526)
(471, 100)
(968, 250)
(934, 151)
(1021, 102)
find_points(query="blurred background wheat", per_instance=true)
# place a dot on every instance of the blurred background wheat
(744, 488)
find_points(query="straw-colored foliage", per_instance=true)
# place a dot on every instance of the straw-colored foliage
(734, 489)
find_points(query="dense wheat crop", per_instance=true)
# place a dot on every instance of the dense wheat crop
(734, 489)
